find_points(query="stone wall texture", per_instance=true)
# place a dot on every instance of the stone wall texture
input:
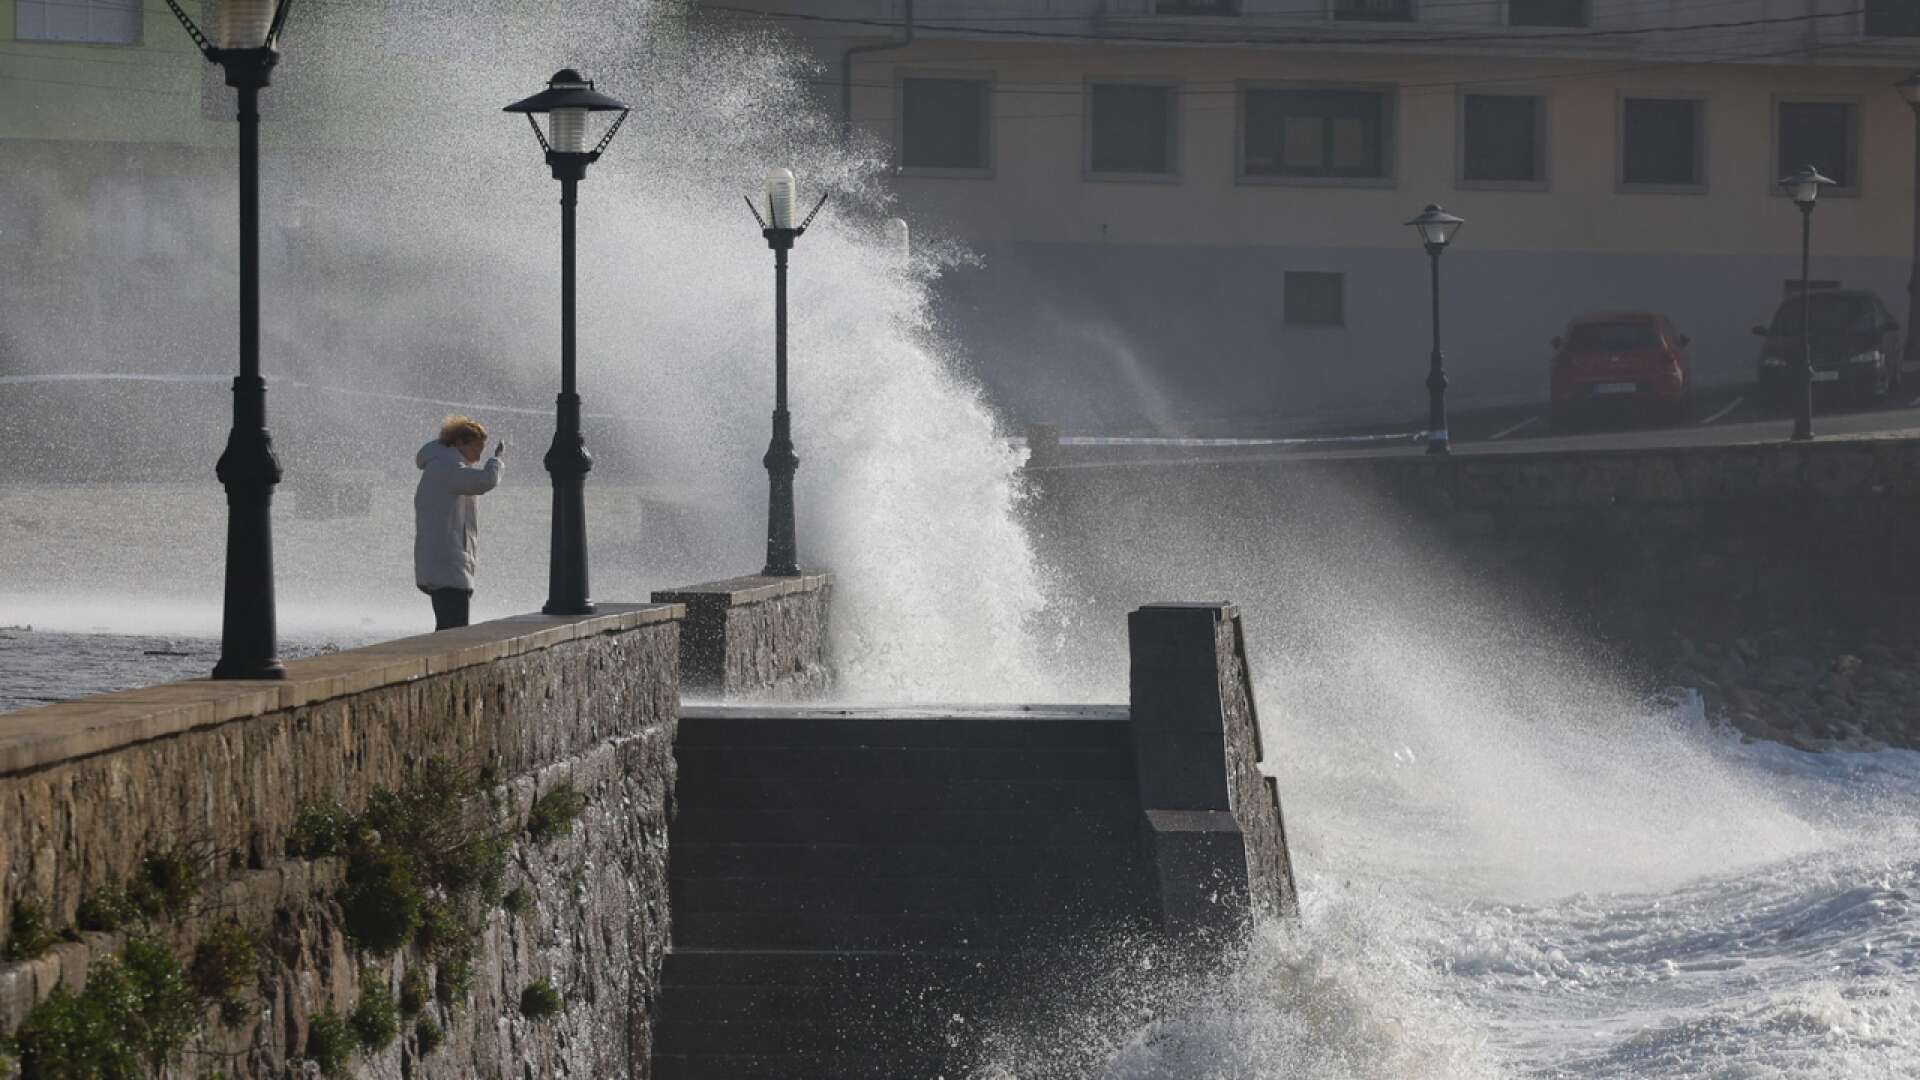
(755, 638)
(88, 789)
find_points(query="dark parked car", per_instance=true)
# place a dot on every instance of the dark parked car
(1631, 360)
(1856, 347)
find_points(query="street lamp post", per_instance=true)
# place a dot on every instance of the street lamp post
(1910, 355)
(1436, 228)
(1804, 187)
(567, 100)
(783, 555)
(245, 45)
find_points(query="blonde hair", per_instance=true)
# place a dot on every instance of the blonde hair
(455, 430)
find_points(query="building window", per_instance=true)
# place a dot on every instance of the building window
(1502, 139)
(1130, 129)
(1661, 144)
(1332, 134)
(1373, 10)
(1820, 134)
(1547, 12)
(1893, 18)
(1196, 7)
(1315, 298)
(944, 125)
(91, 22)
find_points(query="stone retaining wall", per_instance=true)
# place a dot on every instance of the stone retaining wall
(755, 637)
(216, 772)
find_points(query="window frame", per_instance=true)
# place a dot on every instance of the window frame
(1175, 106)
(1703, 178)
(1389, 137)
(1542, 152)
(1856, 133)
(1287, 321)
(139, 10)
(1586, 18)
(988, 129)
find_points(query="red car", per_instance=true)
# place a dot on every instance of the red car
(1634, 360)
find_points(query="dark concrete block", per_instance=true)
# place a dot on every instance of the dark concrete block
(1199, 861)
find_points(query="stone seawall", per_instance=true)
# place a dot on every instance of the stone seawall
(1767, 576)
(202, 781)
(755, 637)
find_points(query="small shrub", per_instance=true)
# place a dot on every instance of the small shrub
(105, 910)
(380, 904)
(413, 991)
(224, 966)
(135, 1015)
(329, 1043)
(554, 813)
(28, 935)
(375, 1021)
(320, 830)
(518, 902)
(540, 1001)
(165, 885)
(428, 1035)
(453, 981)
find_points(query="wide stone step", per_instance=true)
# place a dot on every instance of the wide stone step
(1115, 861)
(919, 764)
(830, 1066)
(1054, 896)
(888, 825)
(860, 930)
(695, 791)
(906, 973)
(1040, 726)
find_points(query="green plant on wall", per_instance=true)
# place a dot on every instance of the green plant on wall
(413, 991)
(540, 1001)
(28, 934)
(554, 813)
(166, 884)
(330, 1043)
(105, 910)
(375, 1020)
(224, 966)
(136, 1014)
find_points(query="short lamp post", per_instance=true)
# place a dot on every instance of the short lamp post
(1804, 188)
(244, 44)
(783, 554)
(566, 102)
(1910, 356)
(1436, 228)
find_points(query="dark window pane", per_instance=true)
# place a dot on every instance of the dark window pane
(1314, 298)
(1335, 133)
(943, 124)
(1502, 138)
(1374, 10)
(1893, 18)
(1132, 129)
(1196, 7)
(1614, 337)
(1546, 12)
(1819, 134)
(1661, 142)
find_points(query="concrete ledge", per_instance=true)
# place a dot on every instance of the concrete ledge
(35, 738)
(1199, 862)
(751, 589)
(755, 636)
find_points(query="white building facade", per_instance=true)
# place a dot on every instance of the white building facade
(1190, 212)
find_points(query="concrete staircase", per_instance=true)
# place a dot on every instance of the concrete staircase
(854, 890)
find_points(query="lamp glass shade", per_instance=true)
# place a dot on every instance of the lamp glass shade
(1804, 186)
(780, 198)
(900, 238)
(1909, 88)
(567, 130)
(1436, 227)
(244, 24)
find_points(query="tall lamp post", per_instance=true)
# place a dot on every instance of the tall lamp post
(1804, 187)
(566, 101)
(783, 555)
(1910, 356)
(1436, 228)
(245, 45)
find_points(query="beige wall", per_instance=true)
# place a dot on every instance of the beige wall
(1037, 192)
(145, 93)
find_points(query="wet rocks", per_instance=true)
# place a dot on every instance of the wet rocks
(1812, 691)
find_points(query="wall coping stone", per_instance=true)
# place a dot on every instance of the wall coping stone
(35, 738)
(748, 589)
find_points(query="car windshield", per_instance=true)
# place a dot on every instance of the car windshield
(1614, 337)
(1832, 314)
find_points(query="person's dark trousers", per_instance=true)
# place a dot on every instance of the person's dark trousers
(449, 607)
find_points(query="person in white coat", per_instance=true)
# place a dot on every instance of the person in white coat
(446, 526)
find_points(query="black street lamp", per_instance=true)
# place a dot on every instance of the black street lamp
(1804, 187)
(783, 555)
(1909, 88)
(1436, 228)
(247, 33)
(567, 100)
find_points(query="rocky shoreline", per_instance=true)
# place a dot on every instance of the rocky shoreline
(1811, 691)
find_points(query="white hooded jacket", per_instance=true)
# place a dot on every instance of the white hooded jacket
(446, 529)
